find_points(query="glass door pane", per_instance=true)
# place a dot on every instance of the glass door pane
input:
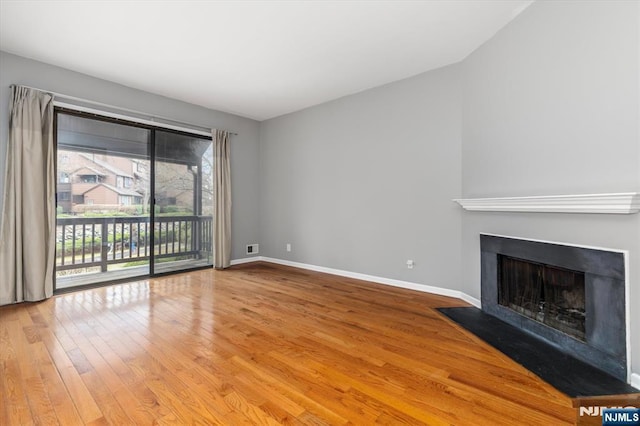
(183, 188)
(103, 201)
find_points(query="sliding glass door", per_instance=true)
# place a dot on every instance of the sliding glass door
(103, 201)
(183, 187)
(131, 200)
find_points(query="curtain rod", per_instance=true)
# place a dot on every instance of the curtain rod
(131, 111)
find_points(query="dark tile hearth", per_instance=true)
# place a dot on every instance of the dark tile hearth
(567, 374)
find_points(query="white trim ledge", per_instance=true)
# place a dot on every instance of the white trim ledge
(358, 276)
(615, 203)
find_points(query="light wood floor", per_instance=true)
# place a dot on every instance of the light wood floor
(258, 344)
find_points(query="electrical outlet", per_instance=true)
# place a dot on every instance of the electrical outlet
(253, 248)
(410, 264)
(288, 246)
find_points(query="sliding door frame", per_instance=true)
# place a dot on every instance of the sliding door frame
(152, 199)
(152, 181)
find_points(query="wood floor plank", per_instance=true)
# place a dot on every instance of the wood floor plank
(258, 344)
(14, 395)
(295, 393)
(28, 376)
(42, 407)
(61, 401)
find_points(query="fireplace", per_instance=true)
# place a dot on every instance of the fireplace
(572, 297)
(547, 294)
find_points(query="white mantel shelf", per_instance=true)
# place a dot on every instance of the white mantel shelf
(620, 203)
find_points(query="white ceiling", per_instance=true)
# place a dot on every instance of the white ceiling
(258, 59)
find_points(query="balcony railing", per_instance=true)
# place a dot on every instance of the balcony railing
(87, 242)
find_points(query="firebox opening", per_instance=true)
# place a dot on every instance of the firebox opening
(547, 294)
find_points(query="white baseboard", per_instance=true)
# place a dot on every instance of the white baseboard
(246, 260)
(380, 280)
(472, 300)
(635, 380)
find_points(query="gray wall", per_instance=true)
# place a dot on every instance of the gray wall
(365, 183)
(550, 106)
(547, 106)
(244, 151)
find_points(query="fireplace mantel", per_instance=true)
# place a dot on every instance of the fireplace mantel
(618, 203)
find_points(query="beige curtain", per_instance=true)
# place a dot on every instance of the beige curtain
(222, 200)
(27, 231)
